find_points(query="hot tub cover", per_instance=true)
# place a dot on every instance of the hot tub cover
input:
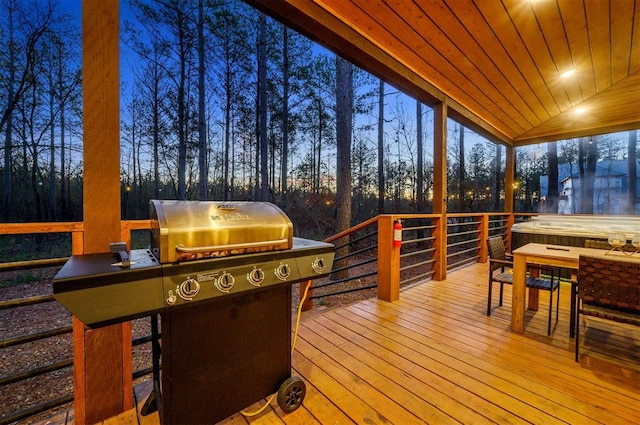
(599, 227)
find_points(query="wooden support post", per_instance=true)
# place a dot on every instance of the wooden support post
(388, 261)
(102, 357)
(440, 189)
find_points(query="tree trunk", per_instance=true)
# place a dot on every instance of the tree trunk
(582, 175)
(63, 186)
(552, 194)
(633, 171)
(262, 91)
(52, 199)
(381, 148)
(498, 178)
(344, 128)
(5, 201)
(461, 171)
(156, 135)
(420, 160)
(182, 121)
(590, 176)
(202, 125)
(316, 186)
(285, 115)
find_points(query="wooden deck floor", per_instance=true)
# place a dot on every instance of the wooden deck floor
(435, 357)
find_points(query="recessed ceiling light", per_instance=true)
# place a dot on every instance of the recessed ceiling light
(579, 111)
(568, 73)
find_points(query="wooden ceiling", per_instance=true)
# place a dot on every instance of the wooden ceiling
(496, 63)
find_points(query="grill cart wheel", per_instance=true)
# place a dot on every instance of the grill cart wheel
(291, 394)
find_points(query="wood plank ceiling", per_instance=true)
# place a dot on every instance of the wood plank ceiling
(497, 63)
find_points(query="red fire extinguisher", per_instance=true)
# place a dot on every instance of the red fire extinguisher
(397, 234)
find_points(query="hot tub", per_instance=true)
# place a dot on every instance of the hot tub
(572, 230)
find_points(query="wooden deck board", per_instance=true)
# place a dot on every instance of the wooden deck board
(435, 357)
(504, 373)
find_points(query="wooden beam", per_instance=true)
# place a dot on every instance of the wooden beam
(102, 357)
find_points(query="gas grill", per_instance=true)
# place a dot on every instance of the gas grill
(219, 274)
(199, 251)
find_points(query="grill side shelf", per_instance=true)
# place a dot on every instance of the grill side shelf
(99, 294)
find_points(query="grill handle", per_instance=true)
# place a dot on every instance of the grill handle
(195, 249)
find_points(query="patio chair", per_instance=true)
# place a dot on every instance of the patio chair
(608, 289)
(499, 259)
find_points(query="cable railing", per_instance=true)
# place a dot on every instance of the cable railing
(362, 255)
(357, 265)
(417, 252)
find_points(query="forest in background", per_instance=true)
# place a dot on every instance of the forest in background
(219, 102)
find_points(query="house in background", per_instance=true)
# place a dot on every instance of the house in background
(609, 194)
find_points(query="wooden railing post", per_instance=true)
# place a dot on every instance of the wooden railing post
(510, 222)
(483, 236)
(388, 261)
(77, 243)
(440, 245)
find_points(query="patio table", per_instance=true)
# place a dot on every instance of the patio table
(549, 255)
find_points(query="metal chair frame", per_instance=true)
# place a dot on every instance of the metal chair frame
(500, 259)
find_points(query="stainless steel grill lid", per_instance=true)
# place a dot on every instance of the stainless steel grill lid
(191, 230)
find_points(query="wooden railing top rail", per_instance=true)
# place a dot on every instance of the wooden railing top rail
(136, 224)
(352, 229)
(29, 228)
(63, 227)
(375, 219)
(491, 214)
(32, 264)
(78, 226)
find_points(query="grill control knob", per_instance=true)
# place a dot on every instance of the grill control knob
(283, 271)
(318, 265)
(255, 277)
(188, 289)
(171, 300)
(225, 282)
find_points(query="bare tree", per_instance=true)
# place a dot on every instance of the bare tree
(318, 123)
(171, 23)
(26, 25)
(231, 68)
